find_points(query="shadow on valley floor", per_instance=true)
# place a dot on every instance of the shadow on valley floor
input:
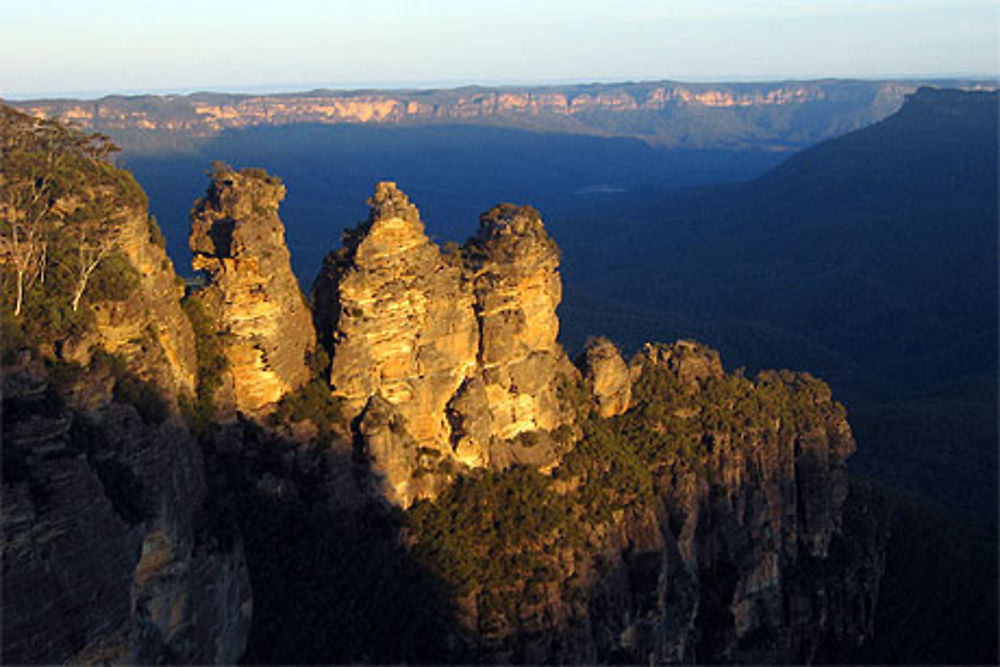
(451, 172)
(333, 580)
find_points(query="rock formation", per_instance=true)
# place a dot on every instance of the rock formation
(662, 511)
(106, 555)
(513, 264)
(462, 344)
(138, 316)
(607, 376)
(103, 559)
(251, 295)
(747, 552)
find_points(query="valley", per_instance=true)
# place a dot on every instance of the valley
(829, 227)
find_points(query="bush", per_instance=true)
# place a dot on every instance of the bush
(114, 279)
(212, 363)
(314, 402)
(155, 233)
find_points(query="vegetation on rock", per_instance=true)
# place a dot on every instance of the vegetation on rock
(505, 537)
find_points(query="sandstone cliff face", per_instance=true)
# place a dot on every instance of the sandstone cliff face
(159, 294)
(402, 330)
(514, 264)
(251, 294)
(145, 326)
(462, 345)
(661, 112)
(103, 560)
(750, 550)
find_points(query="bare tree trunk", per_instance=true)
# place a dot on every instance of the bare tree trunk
(86, 268)
(43, 262)
(20, 293)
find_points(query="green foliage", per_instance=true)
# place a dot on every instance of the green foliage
(47, 315)
(313, 401)
(212, 363)
(491, 527)
(612, 473)
(114, 279)
(61, 202)
(155, 233)
(500, 534)
(12, 334)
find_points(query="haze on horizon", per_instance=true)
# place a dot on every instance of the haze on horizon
(64, 47)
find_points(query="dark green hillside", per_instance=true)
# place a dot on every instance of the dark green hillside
(871, 260)
(880, 245)
(875, 252)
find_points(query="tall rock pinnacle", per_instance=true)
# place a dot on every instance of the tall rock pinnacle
(252, 296)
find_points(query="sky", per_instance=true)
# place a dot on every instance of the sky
(95, 47)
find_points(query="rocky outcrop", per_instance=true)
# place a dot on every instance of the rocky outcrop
(692, 363)
(462, 344)
(251, 295)
(132, 295)
(147, 327)
(103, 558)
(752, 549)
(607, 377)
(513, 266)
(402, 330)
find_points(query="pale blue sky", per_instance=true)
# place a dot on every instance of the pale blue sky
(98, 46)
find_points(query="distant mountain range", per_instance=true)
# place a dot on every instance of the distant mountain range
(782, 115)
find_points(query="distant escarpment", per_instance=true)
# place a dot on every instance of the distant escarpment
(780, 114)
(444, 356)
(251, 296)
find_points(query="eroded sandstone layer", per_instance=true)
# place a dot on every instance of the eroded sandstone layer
(104, 556)
(747, 552)
(251, 295)
(460, 345)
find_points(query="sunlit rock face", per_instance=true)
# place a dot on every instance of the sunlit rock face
(152, 314)
(606, 376)
(253, 298)
(144, 325)
(514, 264)
(461, 343)
(750, 551)
(405, 327)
